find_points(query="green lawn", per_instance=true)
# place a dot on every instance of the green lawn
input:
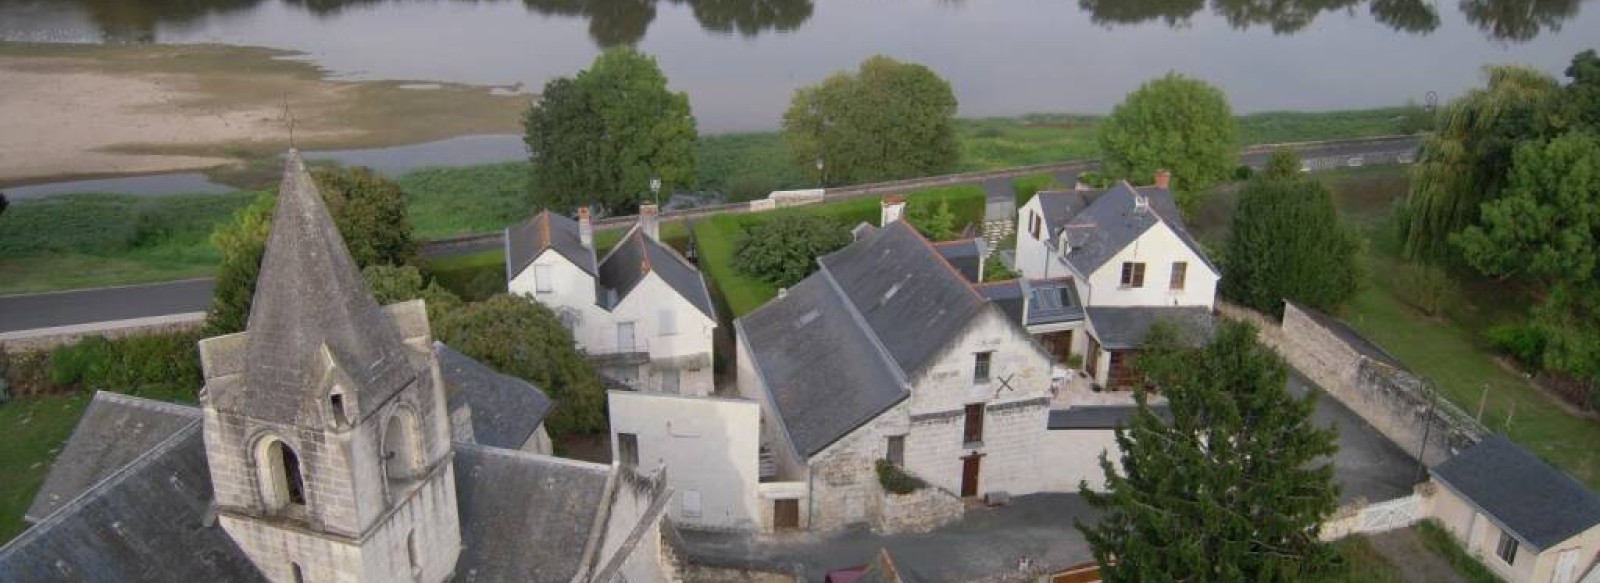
(1363, 564)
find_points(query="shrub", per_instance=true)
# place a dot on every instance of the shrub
(1243, 173)
(1523, 342)
(1093, 179)
(1286, 241)
(129, 365)
(783, 252)
(1026, 186)
(897, 481)
(933, 219)
(1426, 288)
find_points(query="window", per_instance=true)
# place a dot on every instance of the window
(400, 461)
(625, 340)
(1507, 550)
(628, 449)
(669, 322)
(280, 471)
(1132, 274)
(1034, 222)
(543, 280)
(341, 416)
(973, 432)
(980, 367)
(1180, 270)
(691, 503)
(897, 450)
(671, 378)
(411, 552)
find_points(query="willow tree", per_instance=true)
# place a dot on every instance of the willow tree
(1466, 161)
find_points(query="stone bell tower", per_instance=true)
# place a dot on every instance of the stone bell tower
(326, 427)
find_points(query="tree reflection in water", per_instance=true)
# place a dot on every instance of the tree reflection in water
(1504, 20)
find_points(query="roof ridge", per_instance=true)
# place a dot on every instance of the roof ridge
(143, 403)
(101, 487)
(613, 251)
(490, 450)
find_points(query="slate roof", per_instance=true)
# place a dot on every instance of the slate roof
(310, 296)
(965, 255)
(911, 298)
(1059, 206)
(636, 256)
(1098, 416)
(524, 517)
(1538, 504)
(546, 230)
(825, 374)
(149, 521)
(1008, 295)
(506, 410)
(1053, 301)
(1125, 327)
(113, 431)
(1114, 220)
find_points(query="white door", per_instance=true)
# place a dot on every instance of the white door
(625, 337)
(1566, 567)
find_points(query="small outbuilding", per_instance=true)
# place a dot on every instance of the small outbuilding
(1526, 520)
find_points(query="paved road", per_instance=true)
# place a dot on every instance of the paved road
(48, 310)
(25, 312)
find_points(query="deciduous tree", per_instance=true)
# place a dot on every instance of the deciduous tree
(888, 120)
(1232, 487)
(600, 137)
(1287, 242)
(1175, 123)
(242, 243)
(784, 251)
(371, 213)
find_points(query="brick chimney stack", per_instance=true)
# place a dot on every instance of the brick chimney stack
(894, 205)
(1163, 179)
(647, 221)
(585, 227)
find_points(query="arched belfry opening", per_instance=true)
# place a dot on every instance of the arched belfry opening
(283, 484)
(402, 455)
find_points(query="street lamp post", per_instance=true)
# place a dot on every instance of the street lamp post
(822, 179)
(655, 189)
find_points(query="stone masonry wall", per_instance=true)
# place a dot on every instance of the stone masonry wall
(920, 511)
(1394, 400)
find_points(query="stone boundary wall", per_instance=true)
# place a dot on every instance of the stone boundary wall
(920, 511)
(47, 338)
(1397, 402)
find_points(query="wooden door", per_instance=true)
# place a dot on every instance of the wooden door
(969, 475)
(1091, 362)
(786, 513)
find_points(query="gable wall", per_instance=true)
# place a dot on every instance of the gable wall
(1015, 419)
(690, 343)
(572, 288)
(709, 447)
(1158, 248)
(1034, 260)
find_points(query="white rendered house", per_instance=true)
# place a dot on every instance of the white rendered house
(642, 312)
(1100, 267)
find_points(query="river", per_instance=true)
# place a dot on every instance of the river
(739, 60)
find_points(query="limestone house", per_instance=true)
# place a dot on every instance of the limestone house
(642, 313)
(1528, 521)
(1100, 267)
(322, 451)
(889, 352)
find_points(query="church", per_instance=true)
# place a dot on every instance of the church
(323, 450)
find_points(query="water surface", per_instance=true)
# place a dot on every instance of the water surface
(739, 60)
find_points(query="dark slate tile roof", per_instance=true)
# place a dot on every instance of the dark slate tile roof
(506, 410)
(1053, 301)
(113, 431)
(1539, 504)
(148, 522)
(1125, 327)
(637, 255)
(965, 255)
(310, 295)
(825, 374)
(913, 300)
(1354, 339)
(1114, 220)
(546, 230)
(1059, 206)
(1008, 295)
(1098, 416)
(524, 517)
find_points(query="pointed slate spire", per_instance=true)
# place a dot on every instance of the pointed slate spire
(314, 321)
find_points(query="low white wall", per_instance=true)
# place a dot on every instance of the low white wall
(709, 446)
(1071, 456)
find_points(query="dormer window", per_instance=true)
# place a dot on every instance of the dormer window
(339, 406)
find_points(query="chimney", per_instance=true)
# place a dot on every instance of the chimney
(585, 227)
(894, 205)
(647, 221)
(1163, 179)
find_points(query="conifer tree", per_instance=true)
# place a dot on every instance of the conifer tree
(1232, 487)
